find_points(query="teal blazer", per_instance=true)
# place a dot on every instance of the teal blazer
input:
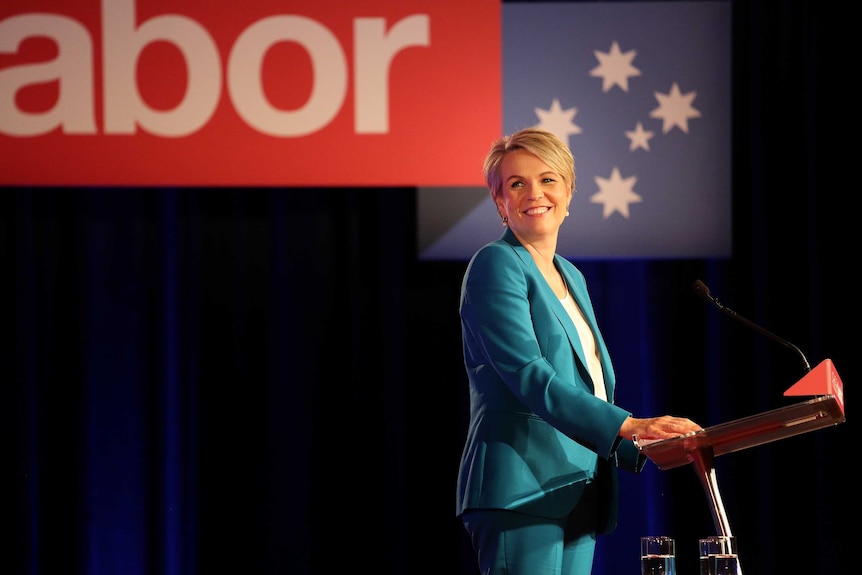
(537, 432)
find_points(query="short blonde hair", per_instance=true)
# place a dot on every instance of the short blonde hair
(543, 144)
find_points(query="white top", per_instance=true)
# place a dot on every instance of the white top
(588, 342)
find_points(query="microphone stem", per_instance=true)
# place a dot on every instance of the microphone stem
(765, 332)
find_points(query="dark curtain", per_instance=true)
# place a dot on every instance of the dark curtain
(270, 381)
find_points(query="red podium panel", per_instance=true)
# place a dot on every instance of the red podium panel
(822, 380)
(747, 432)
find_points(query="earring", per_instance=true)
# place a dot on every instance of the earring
(505, 220)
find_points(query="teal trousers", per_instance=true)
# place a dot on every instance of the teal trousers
(512, 543)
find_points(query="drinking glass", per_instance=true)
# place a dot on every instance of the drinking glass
(718, 555)
(658, 555)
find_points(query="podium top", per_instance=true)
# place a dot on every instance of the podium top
(822, 411)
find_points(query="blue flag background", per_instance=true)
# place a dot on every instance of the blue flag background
(642, 94)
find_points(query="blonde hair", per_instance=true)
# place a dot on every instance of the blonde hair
(543, 144)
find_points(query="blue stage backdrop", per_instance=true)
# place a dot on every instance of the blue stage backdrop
(641, 92)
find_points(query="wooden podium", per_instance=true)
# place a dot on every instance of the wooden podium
(701, 448)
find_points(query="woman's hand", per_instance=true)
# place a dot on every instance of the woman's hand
(663, 427)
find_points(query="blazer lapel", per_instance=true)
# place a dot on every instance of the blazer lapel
(566, 322)
(582, 300)
(556, 304)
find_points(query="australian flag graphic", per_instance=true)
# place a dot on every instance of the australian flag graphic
(641, 92)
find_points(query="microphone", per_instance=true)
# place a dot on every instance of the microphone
(700, 289)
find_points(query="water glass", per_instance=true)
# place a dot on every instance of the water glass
(658, 555)
(718, 555)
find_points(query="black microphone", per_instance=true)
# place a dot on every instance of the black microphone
(700, 289)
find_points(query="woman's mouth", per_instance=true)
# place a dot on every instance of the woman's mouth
(537, 211)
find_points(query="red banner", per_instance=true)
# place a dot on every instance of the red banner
(258, 93)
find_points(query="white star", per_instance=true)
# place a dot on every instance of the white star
(615, 67)
(616, 194)
(675, 109)
(558, 121)
(639, 138)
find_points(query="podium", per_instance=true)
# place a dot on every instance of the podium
(701, 448)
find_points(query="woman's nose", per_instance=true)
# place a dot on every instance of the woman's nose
(536, 193)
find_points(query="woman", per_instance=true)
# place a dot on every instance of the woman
(538, 474)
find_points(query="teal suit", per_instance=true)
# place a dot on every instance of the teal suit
(537, 432)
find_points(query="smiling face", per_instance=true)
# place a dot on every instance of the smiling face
(533, 197)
